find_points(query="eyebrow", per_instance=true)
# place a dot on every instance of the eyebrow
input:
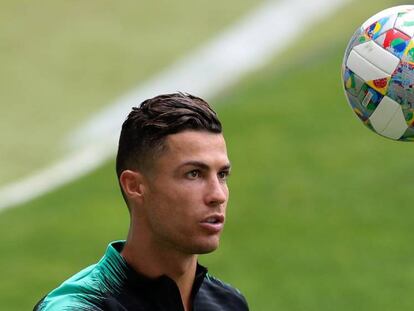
(203, 165)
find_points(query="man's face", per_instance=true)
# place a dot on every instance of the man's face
(186, 193)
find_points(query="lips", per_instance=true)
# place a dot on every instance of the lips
(214, 219)
(213, 223)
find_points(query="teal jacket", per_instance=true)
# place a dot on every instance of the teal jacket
(112, 284)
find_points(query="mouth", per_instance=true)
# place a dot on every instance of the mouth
(213, 223)
(214, 219)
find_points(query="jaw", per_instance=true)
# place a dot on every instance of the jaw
(206, 244)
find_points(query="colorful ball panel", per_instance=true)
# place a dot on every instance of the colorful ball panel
(378, 73)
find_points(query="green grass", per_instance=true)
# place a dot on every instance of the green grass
(321, 207)
(320, 213)
(63, 60)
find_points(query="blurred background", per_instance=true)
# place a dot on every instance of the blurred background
(320, 214)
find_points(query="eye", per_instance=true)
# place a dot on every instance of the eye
(223, 175)
(194, 174)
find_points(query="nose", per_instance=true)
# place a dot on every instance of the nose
(217, 192)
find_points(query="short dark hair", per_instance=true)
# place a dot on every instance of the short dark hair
(144, 131)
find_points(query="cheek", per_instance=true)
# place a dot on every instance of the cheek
(173, 206)
(176, 200)
(173, 219)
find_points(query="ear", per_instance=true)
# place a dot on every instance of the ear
(132, 183)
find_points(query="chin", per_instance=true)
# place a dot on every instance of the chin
(207, 247)
(205, 251)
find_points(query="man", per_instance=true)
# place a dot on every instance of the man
(172, 167)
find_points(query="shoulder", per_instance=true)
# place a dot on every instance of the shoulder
(80, 292)
(69, 302)
(220, 294)
(91, 288)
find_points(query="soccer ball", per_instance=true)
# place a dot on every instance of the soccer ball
(378, 73)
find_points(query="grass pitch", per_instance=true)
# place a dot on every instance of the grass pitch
(320, 213)
(63, 60)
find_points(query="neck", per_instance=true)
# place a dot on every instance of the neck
(153, 260)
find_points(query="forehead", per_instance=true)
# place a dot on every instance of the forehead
(195, 146)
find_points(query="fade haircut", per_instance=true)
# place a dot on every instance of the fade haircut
(144, 131)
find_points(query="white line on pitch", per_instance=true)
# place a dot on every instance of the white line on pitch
(250, 43)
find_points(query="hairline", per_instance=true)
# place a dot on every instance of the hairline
(161, 147)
